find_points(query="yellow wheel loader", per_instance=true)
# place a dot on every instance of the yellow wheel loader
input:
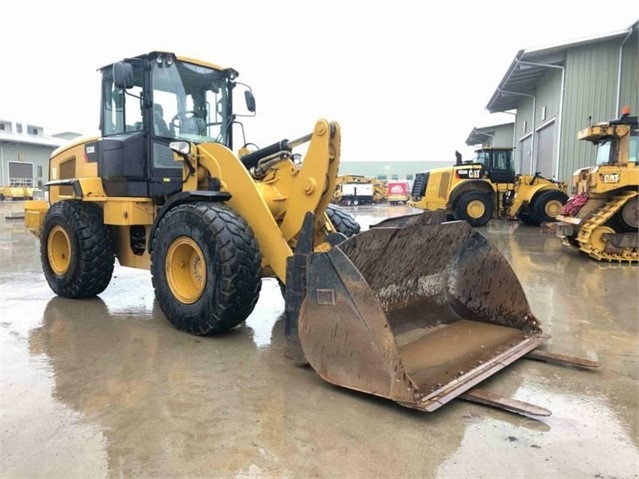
(418, 314)
(601, 218)
(487, 187)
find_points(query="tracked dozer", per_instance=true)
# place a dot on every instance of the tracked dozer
(418, 313)
(601, 218)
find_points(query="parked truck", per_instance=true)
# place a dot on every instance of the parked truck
(352, 190)
(398, 191)
(357, 194)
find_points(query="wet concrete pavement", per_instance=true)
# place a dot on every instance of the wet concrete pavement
(107, 388)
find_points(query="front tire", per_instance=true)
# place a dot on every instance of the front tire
(76, 249)
(475, 208)
(206, 268)
(342, 221)
(547, 206)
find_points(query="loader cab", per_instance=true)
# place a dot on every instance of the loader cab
(149, 101)
(497, 164)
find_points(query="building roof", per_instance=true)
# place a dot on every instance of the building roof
(481, 135)
(32, 139)
(529, 66)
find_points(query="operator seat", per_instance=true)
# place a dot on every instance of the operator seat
(192, 125)
(159, 125)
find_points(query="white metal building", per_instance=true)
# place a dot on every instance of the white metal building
(25, 151)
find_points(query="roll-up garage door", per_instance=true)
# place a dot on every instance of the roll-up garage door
(545, 143)
(525, 155)
(20, 174)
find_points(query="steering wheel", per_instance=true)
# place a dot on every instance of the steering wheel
(175, 121)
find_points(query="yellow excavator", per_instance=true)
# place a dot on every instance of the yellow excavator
(601, 218)
(405, 313)
(487, 187)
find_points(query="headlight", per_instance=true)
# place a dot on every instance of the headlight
(181, 147)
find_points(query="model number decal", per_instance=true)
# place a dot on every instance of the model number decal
(91, 153)
(326, 296)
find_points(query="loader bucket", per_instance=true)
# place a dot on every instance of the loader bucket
(417, 314)
(426, 217)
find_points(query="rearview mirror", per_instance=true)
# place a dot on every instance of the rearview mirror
(250, 100)
(123, 75)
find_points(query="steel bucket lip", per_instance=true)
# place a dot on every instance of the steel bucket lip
(458, 386)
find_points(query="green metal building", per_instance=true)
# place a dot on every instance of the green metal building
(496, 135)
(552, 92)
(558, 90)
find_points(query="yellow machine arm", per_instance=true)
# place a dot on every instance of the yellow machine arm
(275, 204)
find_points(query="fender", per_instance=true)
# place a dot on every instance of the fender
(186, 197)
(481, 186)
(525, 193)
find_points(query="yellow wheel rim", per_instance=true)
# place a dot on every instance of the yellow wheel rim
(553, 208)
(476, 209)
(59, 250)
(598, 239)
(186, 270)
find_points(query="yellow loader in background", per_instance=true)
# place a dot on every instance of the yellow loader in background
(16, 193)
(601, 218)
(487, 187)
(411, 313)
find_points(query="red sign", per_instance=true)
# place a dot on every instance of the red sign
(398, 188)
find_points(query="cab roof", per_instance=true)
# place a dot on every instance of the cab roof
(155, 53)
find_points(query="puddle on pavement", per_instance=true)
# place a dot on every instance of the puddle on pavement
(269, 310)
(577, 425)
(107, 387)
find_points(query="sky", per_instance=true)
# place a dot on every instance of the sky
(406, 80)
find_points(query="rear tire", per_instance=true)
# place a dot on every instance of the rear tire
(206, 268)
(475, 208)
(342, 221)
(76, 249)
(547, 206)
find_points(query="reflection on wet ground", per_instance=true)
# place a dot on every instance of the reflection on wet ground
(107, 388)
